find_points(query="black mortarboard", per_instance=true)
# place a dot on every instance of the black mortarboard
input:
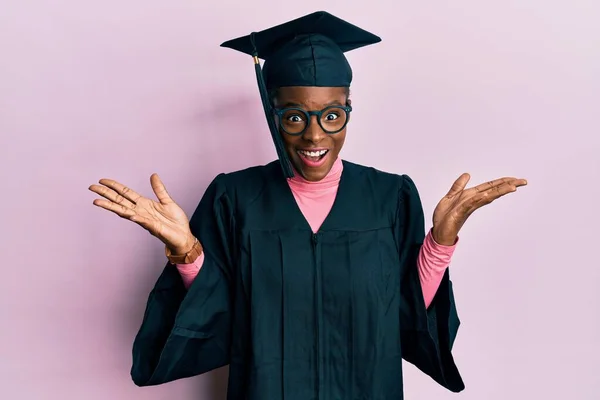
(308, 51)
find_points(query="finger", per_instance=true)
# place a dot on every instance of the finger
(492, 184)
(488, 196)
(459, 185)
(520, 182)
(500, 183)
(159, 189)
(118, 209)
(111, 195)
(121, 189)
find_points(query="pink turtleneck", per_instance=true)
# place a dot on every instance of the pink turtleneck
(315, 200)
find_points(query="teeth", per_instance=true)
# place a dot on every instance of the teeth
(313, 153)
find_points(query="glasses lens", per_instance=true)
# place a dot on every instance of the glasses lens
(294, 121)
(333, 119)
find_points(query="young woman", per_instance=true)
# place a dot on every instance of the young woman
(311, 277)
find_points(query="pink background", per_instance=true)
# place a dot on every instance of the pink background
(122, 89)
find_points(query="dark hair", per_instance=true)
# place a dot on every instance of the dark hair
(275, 92)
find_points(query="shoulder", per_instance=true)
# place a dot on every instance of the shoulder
(393, 194)
(378, 179)
(248, 183)
(384, 188)
(247, 176)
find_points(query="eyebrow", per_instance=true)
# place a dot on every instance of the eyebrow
(292, 104)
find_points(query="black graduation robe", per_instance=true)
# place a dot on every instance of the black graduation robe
(297, 315)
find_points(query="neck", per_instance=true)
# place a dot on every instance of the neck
(332, 178)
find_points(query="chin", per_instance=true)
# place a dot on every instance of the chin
(312, 174)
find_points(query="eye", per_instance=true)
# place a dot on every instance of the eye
(332, 116)
(295, 118)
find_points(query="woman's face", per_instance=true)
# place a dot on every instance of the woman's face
(302, 149)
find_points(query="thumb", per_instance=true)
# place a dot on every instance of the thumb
(159, 189)
(459, 185)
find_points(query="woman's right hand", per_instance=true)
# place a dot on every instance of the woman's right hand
(163, 218)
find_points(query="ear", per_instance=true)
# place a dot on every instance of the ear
(349, 103)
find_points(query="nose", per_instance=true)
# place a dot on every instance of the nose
(314, 133)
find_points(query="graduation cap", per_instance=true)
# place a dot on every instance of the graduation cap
(307, 51)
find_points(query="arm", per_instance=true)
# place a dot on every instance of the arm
(432, 263)
(427, 333)
(187, 332)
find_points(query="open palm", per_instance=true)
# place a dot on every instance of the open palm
(459, 203)
(163, 218)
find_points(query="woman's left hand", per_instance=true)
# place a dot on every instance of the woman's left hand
(454, 209)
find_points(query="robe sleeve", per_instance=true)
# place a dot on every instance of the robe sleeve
(427, 334)
(187, 332)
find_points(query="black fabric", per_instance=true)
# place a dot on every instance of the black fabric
(298, 315)
(307, 51)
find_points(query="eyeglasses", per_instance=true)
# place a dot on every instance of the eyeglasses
(294, 121)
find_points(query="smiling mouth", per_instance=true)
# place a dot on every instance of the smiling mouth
(313, 155)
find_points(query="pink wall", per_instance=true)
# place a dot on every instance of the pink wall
(122, 89)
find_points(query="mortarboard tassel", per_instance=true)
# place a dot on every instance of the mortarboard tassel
(264, 95)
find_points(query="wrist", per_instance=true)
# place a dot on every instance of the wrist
(443, 240)
(185, 247)
(186, 255)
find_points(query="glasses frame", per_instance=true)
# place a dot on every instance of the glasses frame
(308, 114)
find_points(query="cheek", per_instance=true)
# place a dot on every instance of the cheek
(339, 140)
(287, 139)
(290, 141)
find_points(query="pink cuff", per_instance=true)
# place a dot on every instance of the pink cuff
(436, 257)
(189, 272)
(433, 260)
